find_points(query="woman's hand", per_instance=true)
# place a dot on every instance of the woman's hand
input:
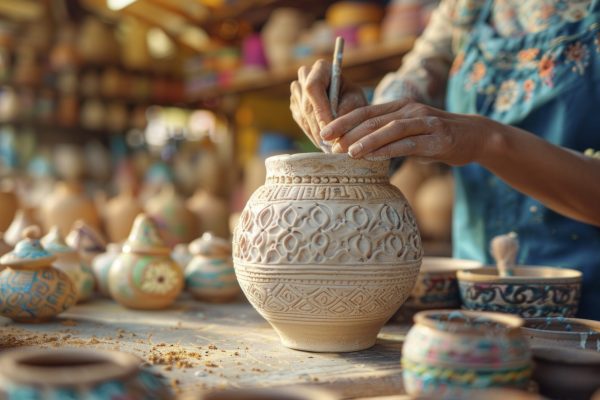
(309, 101)
(404, 128)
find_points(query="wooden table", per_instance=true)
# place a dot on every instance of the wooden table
(200, 346)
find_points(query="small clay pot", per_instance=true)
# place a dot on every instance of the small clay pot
(86, 240)
(212, 213)
(119, 214)
(66, 205)
(210, 276)
(101, 265)
(175, 222)
(144, 276)
(85, 374)
(31, 289)
(574, 333)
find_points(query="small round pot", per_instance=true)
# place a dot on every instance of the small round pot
(563, 332)
(101, 266)
(531, 292)
(564, 373)
(448, 353)
(76, 373)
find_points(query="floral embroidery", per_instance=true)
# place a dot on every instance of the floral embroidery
(546, 69)
(507, 95)
(477, 73)
(578, 54)
(526, 58)
(528, 87)
(159, 279)
(458, 62)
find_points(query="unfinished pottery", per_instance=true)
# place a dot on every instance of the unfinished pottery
(31, 289)
(175, 222)
(530, 292)
(563, 332)
(118, 216)
(327, 250)
(23, 219)
(69, 261)
(101, 266)
(449, 353)
(144, 276)
(86, 240)
(77, 373)
(210, 276)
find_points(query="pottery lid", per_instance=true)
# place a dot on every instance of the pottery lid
(210, 245)
(85, 238)
(28, 252)
(144, 237)
(55, 243)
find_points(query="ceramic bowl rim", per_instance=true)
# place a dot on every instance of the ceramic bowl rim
(453, 266)
(560, 356)
(547, 333)
(511, 323)
(482, 275)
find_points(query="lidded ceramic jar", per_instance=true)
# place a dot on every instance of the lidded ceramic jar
(31, 289)
(175, 222)
(77, 373)
(210, 275)
(144, 276)
(327, 250)
(101, 266)
(86, 240)
(68, 261)
(448, 353)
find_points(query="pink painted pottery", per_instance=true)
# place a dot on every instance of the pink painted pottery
(118, 216)
(210, 276)
(86, 240)
(144, 276)
(69, 261)
(212, 213)
(66, 205)
(446, 354)
(9, 204)
(175, 222)
(101, 266)
(23, 219)
(327, 250)
(31, 289)
(70, 373)
(563, 332)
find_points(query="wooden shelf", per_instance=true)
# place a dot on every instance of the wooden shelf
(354, 60)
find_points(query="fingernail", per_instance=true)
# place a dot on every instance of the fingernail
(355, 149)
(322, 124)
(336, 148)
(326, 133)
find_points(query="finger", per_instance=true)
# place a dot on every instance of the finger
(340, 126)
(308, 117)
(302, 74)
(315, 88)
(297, 116)
(393, 131)
(411, 146)
(365, 128)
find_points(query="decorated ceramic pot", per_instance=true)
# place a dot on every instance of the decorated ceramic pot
(563, 332)
(530, 292)
(175, 222)
(101, 266)
(68, 261)
(448, 353)
(210, 275)
(144, 276)
(86, 240)
(327, 250)
(77, 373)
(31, 289)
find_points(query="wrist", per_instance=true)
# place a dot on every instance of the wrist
(494, 143)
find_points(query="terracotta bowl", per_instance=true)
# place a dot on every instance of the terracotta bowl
(563, 332)
(531, 292)
(564, 373)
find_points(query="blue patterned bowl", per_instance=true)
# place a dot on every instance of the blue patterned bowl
(531, 292)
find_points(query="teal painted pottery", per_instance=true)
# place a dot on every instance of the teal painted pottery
(144, 276)
(210, 275)
(31, 289)
(36, 374)
(530, 292)
(101, 266)
(449, 353)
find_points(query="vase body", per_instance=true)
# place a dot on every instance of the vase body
(327, 250)
(101, 266)
(118, 216)
(80, 274)
(175, 222)
(449, 353)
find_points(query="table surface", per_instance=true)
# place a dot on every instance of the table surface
(199, 346)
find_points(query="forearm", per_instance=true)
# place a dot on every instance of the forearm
(563, 180)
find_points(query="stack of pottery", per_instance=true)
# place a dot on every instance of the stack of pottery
(68, 261)
(65, 206)
(175, 222)
(449, 353)
(144, 276)
(77, 373)
(327, 250)
(31, 289)
(23, 219)
(210, 276)
(118, 215)
(101, 267)
(86, 240)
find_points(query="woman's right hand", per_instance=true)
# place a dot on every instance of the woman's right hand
(309, 101)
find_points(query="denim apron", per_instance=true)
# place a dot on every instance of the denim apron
(547, 83)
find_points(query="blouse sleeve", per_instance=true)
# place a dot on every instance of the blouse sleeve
(424, 72)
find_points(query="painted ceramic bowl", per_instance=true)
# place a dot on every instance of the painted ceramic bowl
(564, 373)
(563, 332)
(77, 373)
(531, 292)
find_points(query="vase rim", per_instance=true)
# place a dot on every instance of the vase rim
(441, 320)
(324, 164)
(65, 367)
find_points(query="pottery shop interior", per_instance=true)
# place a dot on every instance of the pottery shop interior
(299, 200)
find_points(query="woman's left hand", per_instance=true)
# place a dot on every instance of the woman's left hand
(404, 128)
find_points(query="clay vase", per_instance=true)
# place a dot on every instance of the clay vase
(69, 261)
(175, 222)
(66, 205)
(211, 211)
(77, 373)
(448, 353)
(86, 240)
(9, 204)
(210, 276)
(327, 250)
(31, 289)
(144, 276)
(23, 218)
(101, 266)
(118, 216)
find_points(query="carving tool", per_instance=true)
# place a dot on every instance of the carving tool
(334, 84)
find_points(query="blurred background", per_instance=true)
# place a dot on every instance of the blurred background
(110, 107)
